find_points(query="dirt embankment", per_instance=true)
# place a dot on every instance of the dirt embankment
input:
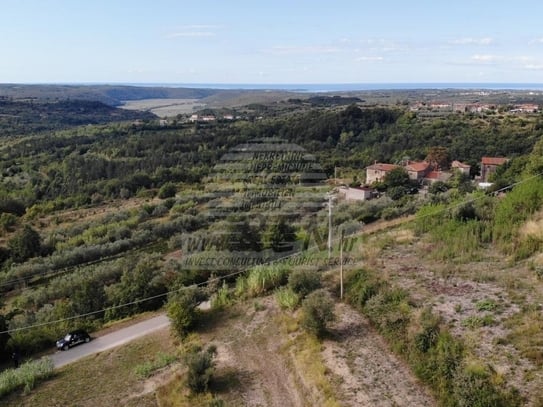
(370, 374)
(255, 360)
(249, 352)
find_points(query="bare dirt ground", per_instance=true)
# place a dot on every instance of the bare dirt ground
(458, 292)
(250, 357)
(256, 367)
(370, 374)
(165, 107)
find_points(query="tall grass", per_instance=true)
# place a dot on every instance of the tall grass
(457, 231)
(460, 240)
(513, 210)
(26, 376)
(262, 279)
(222, 298)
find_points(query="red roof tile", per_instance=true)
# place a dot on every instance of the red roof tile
(382, 167)
(494, 160)
(417, 167)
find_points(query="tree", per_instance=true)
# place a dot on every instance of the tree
(182, 309)
(438, 157)
(25, 244)
(142, 282)
(89, 296)
(242, 236)
(397, 177)
(462, 182)
(200, 367)
(317, 312)
(279, 236)
(438, 187)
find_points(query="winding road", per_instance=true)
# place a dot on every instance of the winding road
(111, 340)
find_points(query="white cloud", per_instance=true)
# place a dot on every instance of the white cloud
(472, 41)
(486, 59)
(534, 67)
(384, 45)
(537, 41)
(191, 34)
(370, 58)
(313, 49)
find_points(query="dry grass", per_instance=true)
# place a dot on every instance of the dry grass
(306, 352)
(105, 379)
(533, 228)
(164, 107)
(403, 236)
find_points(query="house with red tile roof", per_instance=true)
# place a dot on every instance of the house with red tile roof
(418, 170)
(489, 166)
(460, 166)
(376, 172)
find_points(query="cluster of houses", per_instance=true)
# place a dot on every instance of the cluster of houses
(471, 107)
(209, 117)
(422, 172)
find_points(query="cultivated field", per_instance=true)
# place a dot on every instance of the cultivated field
(165, 107)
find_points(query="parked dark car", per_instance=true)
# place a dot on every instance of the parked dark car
(73, 338)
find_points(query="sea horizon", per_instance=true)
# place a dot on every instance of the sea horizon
(353, 87)
(318, 87)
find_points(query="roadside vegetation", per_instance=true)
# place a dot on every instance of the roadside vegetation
(25, 377)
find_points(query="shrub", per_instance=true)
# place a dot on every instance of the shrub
(167, 190)
(200, 367)
(148, 368)
(512, 211)
(486, 305)
(362, 285)
(317, 312)
(25, 244)
(428, 336)
(391, 312)
(287, 298)
(475, 387)
(476, 321)
(182, 310)
(304, 281)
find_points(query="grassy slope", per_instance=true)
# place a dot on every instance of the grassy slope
(106, 379)
(491, 302)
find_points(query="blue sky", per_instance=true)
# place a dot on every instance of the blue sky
(295, 41)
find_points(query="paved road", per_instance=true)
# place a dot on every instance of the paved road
(111, 340)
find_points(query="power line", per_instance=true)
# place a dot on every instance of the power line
(243, 270)
(211, 280)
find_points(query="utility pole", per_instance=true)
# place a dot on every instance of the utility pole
(329, 226)
(341, 264)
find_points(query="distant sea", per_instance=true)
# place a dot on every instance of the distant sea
(348, 87)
